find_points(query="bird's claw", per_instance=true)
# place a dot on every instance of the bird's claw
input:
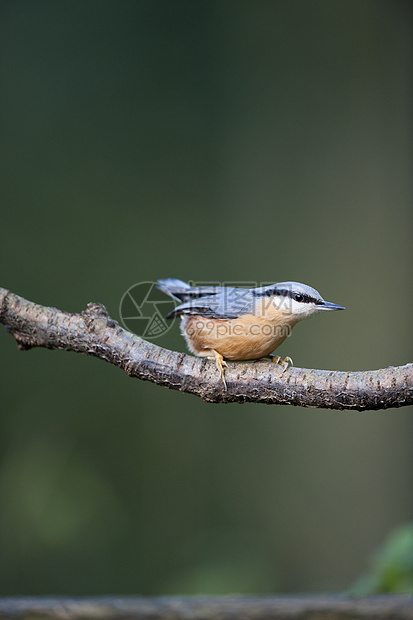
(276, 359)
(221, 365)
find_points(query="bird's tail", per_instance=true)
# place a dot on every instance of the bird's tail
(185, 292)
(175, 288)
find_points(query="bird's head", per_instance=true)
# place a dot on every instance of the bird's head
(296, 300)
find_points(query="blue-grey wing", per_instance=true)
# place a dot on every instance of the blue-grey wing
(228, 303)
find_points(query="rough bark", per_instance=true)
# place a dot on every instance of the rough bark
(93, 332)
(396, 607)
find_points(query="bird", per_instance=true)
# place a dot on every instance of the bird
(234, 323)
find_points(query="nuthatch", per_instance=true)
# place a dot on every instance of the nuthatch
(239, 323)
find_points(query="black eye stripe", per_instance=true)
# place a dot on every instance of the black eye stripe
(279, 292)
(306, 299)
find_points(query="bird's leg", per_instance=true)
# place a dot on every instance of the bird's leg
(276, 359)
(221, 365)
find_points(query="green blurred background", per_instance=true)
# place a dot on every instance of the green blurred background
(253, 141)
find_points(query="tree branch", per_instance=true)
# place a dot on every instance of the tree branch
(93, 332)
(330, 607)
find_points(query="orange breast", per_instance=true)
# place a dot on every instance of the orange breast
(245, 338)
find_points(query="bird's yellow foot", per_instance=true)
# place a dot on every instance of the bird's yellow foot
(276, 359)
(221, 365)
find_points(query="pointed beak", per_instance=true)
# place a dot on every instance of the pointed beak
(326, 305)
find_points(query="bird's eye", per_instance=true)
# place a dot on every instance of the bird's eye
(298, 297)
